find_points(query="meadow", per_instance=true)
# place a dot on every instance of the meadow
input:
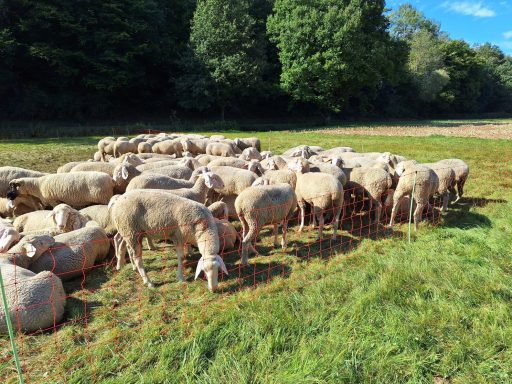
(436, 310)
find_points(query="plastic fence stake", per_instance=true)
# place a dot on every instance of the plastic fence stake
(412, 205)
(9, 328)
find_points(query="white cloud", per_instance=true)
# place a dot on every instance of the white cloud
(469, 8)
(507, 35)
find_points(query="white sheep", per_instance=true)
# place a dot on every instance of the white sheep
(321, 190)
(9, 173)
(106, 147)
(276, 176)
(253, 166)
(205, 182)
(62, 218)
(164, 215)
(74, 253)
(250, 154)
(243, 143)
(195, 146)
(35, 301)
(168, 147)
(419, 178)
(261, 205)
(219, 210)
(461, 170)
(78, 189)
(68, 166)
(220, 149)
(19, 206)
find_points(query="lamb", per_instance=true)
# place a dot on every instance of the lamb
(227, 235)
(74, 253)
(427, 183)
(9, 173)
(322, 190)
(78, 189)
(461, 170)
(261, 205)
(248, 142)
(18, 206)
(250, 154)
(182, 220)
(169, 147)
(220, 149)
(219, 210)
(8, 235)
(35, 301)
(372, 182)
(277, 176)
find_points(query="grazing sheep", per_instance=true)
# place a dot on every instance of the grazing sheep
(372, 182)
(276, 176)
(74, 253)
(227, 235)
(427, 183)
(35, 301)
(220, 149)
(219, 210)
(106, 147)
(261, 205)
(169, 147)
(10, 173)
(178, 171)
(250, 154)
(461, 170)
(322, 190)
(181, 220)
(195, 146)
(446, 178)
(122, 147)
(8, 235)
(330, 169)
(248, 142)
(144, 147)
(78, 189)
(18, 206)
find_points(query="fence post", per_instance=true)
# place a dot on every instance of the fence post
(412, 204)
(9, 328)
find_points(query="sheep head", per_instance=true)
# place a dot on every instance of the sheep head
(60, 215)
(210, 266)
(212, 180)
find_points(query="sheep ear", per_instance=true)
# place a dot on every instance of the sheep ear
(199, 268)
(124, 172)
(208, 180)
(29, 250)
(222, 265)
(50, 215)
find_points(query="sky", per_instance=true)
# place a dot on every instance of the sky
(475, 21)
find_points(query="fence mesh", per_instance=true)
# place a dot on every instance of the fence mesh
(106, 309)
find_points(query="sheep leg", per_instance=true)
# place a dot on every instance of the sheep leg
(135, 249)
(336, 221)
(150, 244)
(460, 189)
(378, 212)
(394, 210)
(276, 233)
(283, 239)
(179, 254)
(302, 213)
(320, 216)
(446, 197)
(417, 214)
(246, 244)
(117, 248)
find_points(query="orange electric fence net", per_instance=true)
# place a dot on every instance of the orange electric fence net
(105, 310)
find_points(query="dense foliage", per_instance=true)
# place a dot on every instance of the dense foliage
(104, 59)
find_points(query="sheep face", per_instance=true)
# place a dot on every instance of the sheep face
(213, 181)
(14, 190)
(210, 267)
(60, 215)
(8, 236)
(120, 173)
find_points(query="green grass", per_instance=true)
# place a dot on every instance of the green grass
(386, 312)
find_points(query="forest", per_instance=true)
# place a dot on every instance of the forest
(106, 59)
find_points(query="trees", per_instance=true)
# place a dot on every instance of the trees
(227, 54)
(331, 51)
(407, 20)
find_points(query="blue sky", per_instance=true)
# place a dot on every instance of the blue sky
(475, 21)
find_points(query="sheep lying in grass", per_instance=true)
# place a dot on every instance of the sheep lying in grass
(261, 205)
(8, 235)
(78, 189)
(74, 253)
(422, 179)
(63, 218)
(18, 206)
(35, 301)
(321, 190)
(163, 215)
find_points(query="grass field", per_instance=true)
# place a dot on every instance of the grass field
(438, 310)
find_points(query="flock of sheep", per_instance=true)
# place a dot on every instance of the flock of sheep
(183, 188)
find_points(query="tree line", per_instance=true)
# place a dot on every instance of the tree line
(95, 59)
